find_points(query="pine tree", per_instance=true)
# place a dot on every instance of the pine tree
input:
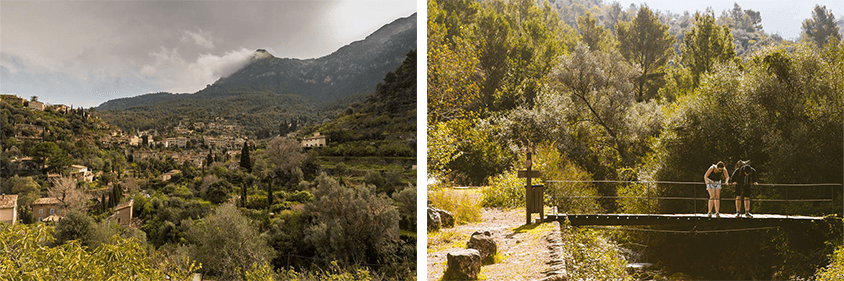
(645, 41)
(706, 44)
(821, 27)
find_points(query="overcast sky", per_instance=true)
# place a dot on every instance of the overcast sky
(783, 17)
(84, 53)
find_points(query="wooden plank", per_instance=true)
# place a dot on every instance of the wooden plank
(533, 174)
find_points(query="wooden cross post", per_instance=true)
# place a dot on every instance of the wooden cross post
(533, 196)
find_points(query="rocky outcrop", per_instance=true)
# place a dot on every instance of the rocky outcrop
(483, 242)
(463, 265)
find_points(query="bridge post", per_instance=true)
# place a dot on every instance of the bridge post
(534, 200)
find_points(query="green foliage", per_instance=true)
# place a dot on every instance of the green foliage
(555, 166)
(74, 226)
(705, 45)
(506, 190)
(406, 202)
(821, 27)
(351, 225)
(228, 244)
(593, 35)
(645, 41)
(768, 113)
(593, 255)
(383, 124)
(466, 206)
(835, 269)
(24, 256)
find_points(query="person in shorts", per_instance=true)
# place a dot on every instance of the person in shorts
(744, 178)
(712, 178)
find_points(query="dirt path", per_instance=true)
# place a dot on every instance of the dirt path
(523, 248)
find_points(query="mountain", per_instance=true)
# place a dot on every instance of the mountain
(269, 91)
(353, 69)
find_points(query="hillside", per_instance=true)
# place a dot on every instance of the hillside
(383, 124)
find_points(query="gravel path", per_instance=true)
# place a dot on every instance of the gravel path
(524, 248)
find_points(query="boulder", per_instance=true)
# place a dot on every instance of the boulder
(483, 242)
(434, 220)
(446, 217)
(463, 265)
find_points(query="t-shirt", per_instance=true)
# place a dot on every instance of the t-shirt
(739, 177)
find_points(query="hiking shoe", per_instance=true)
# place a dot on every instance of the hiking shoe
(709, 214)
(718, 215)
(748, 215)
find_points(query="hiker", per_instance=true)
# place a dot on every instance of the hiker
(744, 177)
(712, 178)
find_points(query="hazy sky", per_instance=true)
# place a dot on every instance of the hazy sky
(783, 17)
(84, 53)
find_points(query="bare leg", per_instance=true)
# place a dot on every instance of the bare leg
(738, 204)
(711, 199)
(747, 204)
(717, 201)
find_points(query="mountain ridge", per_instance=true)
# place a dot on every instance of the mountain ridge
(350, 70)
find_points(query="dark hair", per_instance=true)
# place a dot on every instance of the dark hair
(720, 164)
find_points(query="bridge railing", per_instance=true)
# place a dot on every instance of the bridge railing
(818, 198)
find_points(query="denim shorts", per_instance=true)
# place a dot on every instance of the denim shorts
(713, 185)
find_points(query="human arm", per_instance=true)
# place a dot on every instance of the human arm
(706, 176)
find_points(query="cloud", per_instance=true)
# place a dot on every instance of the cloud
(179, 75)
(198, 38)
(7, 62)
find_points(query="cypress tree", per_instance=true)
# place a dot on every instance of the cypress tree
(245, 162)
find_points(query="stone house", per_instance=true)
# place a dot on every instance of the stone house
(46, 207)
(166, 176)
(123, 214)
(37, 105)
(180, 142)
(81, 173)
(317, 140)
(8, 208)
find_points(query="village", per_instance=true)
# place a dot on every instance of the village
(184, 145)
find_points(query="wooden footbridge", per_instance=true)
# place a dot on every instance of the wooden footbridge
(682, 220)
(535, 194)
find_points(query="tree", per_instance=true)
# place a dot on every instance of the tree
(285, 155)
(352, 225)
(27, 190)
(74, 226)
(245, 162)
(646, 42)
(228, 244)
(599, 84)
(821, 27)
(65, 190)
(595, 36)
(706, 44)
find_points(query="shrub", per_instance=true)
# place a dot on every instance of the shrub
(465, 205)
(506, 190)
(352, 224)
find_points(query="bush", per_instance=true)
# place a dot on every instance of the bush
(464, 205)
(352, 224)
(506, 190)
(74, 226)
(835, 270)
